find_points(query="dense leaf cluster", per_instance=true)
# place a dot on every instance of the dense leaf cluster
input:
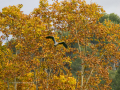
(30, 61)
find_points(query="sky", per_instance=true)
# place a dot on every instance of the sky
(110, 6)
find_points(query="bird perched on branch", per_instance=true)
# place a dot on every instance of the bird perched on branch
(56, 43)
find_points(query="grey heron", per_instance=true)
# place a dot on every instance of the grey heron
(56, 43)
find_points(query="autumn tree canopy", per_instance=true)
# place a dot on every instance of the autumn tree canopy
(37, 64)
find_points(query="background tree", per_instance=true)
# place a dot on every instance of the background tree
(116, 81)
(112, 16)
(105, 16)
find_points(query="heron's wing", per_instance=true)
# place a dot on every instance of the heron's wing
(64, 44)
(51, 37)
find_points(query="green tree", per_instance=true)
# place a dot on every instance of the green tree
(112, 16)
(116, 81)
(105, 16)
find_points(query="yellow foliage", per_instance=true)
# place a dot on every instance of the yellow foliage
(18, 46)
(62, 78)
(77, 23)
(30, 74)
(71, 80)
(64, 81)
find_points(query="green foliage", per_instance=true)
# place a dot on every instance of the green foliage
(116, 81)
(112, 73)
(106, 16)
(76, 66)
(113, 17)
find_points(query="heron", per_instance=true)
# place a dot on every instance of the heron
(56, 43)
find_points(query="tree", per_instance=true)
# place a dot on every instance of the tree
(116, 81)
(113, 17)
(105, 16)
(75, 17)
